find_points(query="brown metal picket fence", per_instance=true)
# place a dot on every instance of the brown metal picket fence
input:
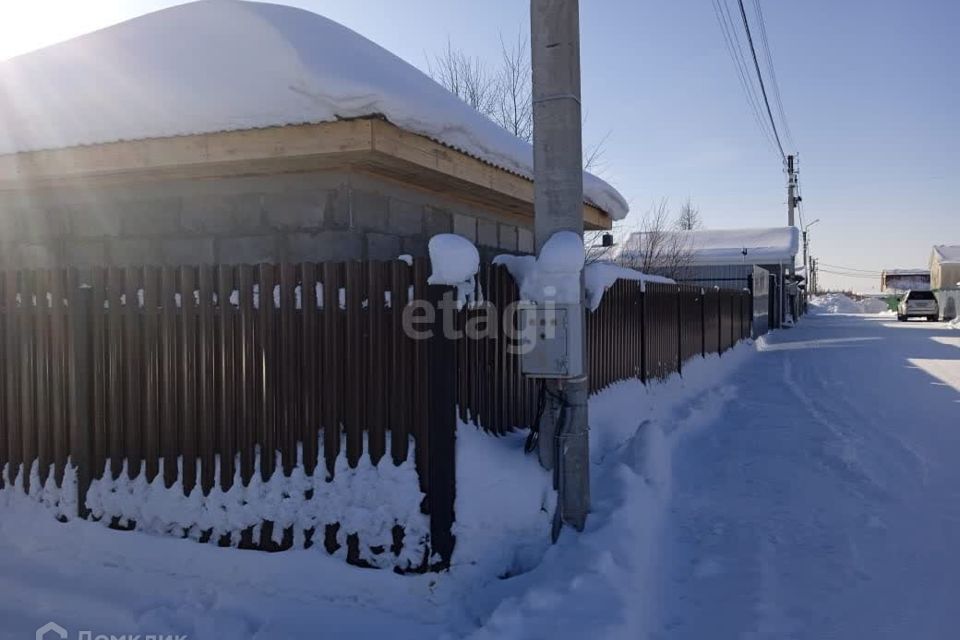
(180, 373)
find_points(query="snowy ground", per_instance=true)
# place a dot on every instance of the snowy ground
(807, 486)
(826, 501)
(842, 303)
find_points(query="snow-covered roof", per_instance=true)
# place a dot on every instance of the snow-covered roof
(724, 246)
(906, 272)
(226, 65)
(946, 254)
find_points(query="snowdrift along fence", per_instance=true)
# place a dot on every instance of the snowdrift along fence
(201, 380)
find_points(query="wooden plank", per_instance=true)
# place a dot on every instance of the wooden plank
(151, 373)
(188, 379)
(207, 431)
(226, 153)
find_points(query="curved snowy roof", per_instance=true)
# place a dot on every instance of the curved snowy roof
(724, 246)
(225, 65)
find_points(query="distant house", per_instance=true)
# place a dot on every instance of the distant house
(945, 267)
(900, 280)
(724, 258)
(945, 279)
(715, 257)
(258, 133)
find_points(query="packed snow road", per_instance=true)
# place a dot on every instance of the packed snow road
(824, 501)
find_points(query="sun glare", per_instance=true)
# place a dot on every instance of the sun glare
(26, 25)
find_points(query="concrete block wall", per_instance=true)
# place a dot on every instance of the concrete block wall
(295, 217)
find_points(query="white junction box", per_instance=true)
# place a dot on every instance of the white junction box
(549, 347)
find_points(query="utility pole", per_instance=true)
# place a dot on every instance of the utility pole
(791, 191)
(558, 206)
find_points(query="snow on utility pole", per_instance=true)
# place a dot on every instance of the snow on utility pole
(558, 206)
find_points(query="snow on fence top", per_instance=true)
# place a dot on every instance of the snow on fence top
(554, 276)
(223, 65)
(723, 246)
(946, 254)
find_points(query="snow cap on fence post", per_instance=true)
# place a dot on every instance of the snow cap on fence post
(454, 261)
(555, 275)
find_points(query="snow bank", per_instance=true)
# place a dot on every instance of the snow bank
(841, 303)
(554, 276)
(601, 583)
(455, 262)
(600, 276)
(221, 65)
(505, 501)
(367, 500)
(62, 500)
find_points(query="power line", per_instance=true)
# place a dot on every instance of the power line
(763, 89)
(836, 266)
(734, 48)
(773, 73)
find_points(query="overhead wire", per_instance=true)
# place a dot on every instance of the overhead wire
(734, 48)
(763, 89)
(773, 73)
(836, 266)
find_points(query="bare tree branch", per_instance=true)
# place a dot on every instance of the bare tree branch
(504, 95)
(593, 154)
(467, 78)
(654, 246)
(515, 107)
(689, 217)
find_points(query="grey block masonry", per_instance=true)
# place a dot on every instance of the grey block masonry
(319, 216)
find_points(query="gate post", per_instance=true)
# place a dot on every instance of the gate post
(703, 322)
(679, 330)
(81, 361)
(441, 426)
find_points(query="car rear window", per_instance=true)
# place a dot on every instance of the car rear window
(921, 295)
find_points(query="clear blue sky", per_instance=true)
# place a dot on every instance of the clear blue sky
(870, 87)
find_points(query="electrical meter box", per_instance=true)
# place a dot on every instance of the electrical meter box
(549, 345)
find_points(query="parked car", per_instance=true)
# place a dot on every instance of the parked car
(918, 304)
